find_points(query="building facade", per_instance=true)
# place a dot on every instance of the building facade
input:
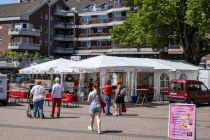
(68, 28)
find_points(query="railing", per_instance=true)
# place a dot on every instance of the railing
(63, 50)
(23, 31)
(24, 45)
(94, 34)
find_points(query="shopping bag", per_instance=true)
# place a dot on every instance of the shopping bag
(123, 107)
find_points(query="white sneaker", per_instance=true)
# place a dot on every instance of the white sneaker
(89, 128)
(99, 132)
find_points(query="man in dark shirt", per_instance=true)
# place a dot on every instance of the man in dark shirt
(108, 93)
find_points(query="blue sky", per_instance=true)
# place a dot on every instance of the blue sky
(7, 1)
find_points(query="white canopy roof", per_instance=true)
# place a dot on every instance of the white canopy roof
(110, 64)
(57, 66)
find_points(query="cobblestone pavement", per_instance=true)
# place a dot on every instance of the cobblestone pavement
(139, 123)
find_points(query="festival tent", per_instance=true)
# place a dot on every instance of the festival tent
(58, 66)
(110, 64)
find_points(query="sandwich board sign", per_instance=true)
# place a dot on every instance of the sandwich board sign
(182, 122)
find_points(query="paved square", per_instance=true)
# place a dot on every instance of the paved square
(139, 123)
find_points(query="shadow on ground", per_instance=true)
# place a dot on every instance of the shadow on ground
(112, 131)
(63, 117)
(15, 104)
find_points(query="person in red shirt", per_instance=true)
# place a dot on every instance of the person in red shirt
(108, 93)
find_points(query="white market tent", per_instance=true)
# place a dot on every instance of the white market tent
(110, 64)
(105, 64)
(58, 66)
(169, 69)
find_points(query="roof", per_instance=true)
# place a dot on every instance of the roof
(18, 9)
(83, 3)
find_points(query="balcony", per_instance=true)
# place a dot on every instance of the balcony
(24, 32)
(94, 34)
(64, 37)
(61, 50)
(24, 46)
(61, 25)
(118, 18)
(59, 12)
(69, 25)
(88, 38)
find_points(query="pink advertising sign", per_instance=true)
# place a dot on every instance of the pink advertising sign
(182, 121)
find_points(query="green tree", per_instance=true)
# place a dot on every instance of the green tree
(160, 22)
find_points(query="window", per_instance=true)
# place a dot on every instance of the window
(203, 88)
(116, 1)
(102, 43)
(164, 82)
(85, 44)
(173, 85)
(103, 17)
(85, 31)
(86, 18)
(183, 76)
(181, 86)
(24, 26)
(116, 14)
(190, 87)
(102, 30)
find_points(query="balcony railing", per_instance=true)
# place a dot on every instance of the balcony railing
(94, 34)
(63, 50)
(60, 25)
(59, 12)
(24, 46)
(64, 37)
(96, 21)
(23, 31)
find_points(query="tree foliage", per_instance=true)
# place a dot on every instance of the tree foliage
(159, 23)
(18, 55)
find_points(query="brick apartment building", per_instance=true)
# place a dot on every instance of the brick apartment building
(69, 28)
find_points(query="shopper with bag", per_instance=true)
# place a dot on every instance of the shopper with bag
(96, 100)
(119, 99)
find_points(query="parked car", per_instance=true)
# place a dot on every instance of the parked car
(188, 91)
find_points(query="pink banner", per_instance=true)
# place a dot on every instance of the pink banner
(182, 121)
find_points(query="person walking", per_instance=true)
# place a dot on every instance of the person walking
(119, 100)
(57, 97)
(38, 93)
(95, 99)
(108, 96)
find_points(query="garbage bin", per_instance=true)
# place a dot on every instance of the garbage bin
(134, 99)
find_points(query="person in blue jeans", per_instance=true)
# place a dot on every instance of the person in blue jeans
(38, 93)
(108, 96)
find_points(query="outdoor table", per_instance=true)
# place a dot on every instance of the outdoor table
(140, 92)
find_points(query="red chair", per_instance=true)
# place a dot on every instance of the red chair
(75, 100)
(67, 98)
(48, 98)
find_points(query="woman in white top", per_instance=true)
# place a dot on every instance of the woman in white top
(95, 109)
(38, 93)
